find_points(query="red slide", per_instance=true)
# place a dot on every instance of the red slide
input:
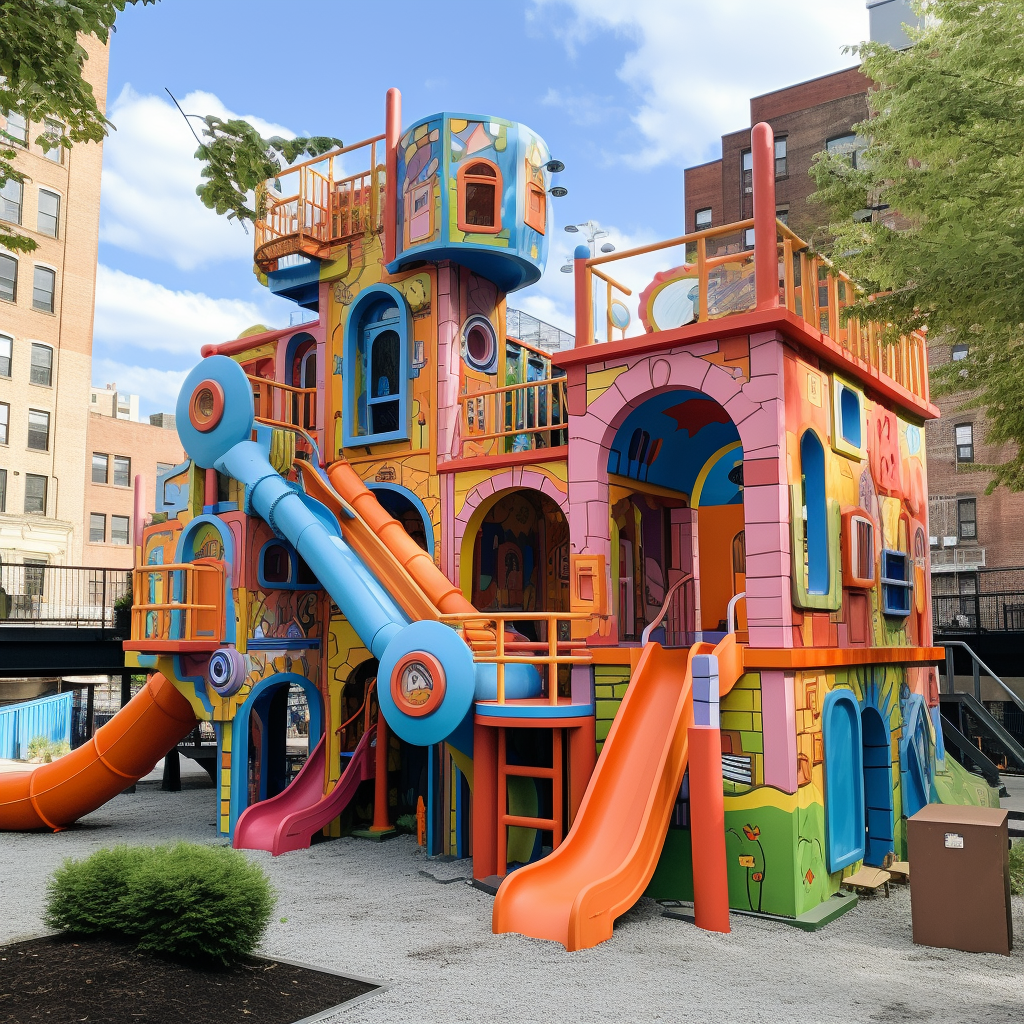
(287, 821)
(122, 752)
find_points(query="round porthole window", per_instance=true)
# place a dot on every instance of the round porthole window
(479, 344)
(207, 405)
(418, 683)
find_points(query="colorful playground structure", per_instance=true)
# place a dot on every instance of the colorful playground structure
(649, 615)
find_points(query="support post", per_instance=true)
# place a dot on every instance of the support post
(707, 824)
(392, 131)
(381, 818)
(584, 300)
(766, 246)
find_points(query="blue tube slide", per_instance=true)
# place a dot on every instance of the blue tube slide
(215, 422)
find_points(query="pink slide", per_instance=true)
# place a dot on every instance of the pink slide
(287, 821)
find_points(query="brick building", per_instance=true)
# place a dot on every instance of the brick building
(46, 318)
(121, 449)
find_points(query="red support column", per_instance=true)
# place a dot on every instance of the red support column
(582, 759)
(584, 303)
(381, 817)
(210, 487)
(707, 827)
(485, 805)
(766, 248)
(392, 131)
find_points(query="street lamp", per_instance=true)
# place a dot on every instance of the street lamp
(592, 233)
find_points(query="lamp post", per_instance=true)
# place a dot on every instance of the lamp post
(591, 232)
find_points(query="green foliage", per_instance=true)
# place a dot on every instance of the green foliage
(945, 155)
(208, 905)
(47, 749)
(124, 601)
(1017, 868)
(41, 63)
(238, 162)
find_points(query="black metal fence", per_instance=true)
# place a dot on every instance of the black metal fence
(999, 612)
(68, 595)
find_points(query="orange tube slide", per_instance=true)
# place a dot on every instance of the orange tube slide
(122, 752)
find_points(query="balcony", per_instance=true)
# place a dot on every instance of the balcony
(284, 405)
(313, 206)
(515, 418)
(178, 607)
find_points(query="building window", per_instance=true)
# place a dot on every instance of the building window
(849, 416)
(122, 471)
(15, 127)
(3, 490)
(35, 494)
(959, 352)
(119, 529)
(967, 518)
(41, 370)
(897, 584)
(536, 213)
(479, 192)
(8, 278)
(12, 197)
(164, 467)
(5, 419)
(43, 286)
(48, 217)
(38, 430)
(780, 158)
(964, 434)
(480, 345)
(747, 173)
(376, 368)
(54, 132)
(277, 564)
(6, 346)
(34, 575)
(850, 146)
(815, 513)
(99, 468)
(748, 238)
(702, 219)
(97, 527)
(782, 214)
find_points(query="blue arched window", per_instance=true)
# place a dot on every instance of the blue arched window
(844, 780)
(814, 512)
(376, 367)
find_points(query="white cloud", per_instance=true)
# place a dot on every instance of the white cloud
(149, 201)
(694, 66)
(159, 388)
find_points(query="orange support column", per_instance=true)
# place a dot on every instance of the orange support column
(707, 824)
(485, 801)
(381, 818)
(584, 300)
(392, 131)
(766, 245)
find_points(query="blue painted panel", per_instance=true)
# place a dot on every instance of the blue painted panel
(849, 416)
(844, 780)
(915, 765)
(812, 467)
(877, 786)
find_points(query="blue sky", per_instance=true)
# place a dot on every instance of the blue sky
(626, 92)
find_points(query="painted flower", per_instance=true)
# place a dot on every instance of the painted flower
(758, 876)
(751, 832)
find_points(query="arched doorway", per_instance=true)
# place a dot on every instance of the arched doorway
(878, 811)
(675, 488)
(520, 557)
(405, 506)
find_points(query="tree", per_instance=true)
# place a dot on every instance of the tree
(944, 166)
(41, 64)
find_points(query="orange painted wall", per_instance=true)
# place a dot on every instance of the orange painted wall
(716, 527)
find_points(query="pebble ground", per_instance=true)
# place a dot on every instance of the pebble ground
(387, 913)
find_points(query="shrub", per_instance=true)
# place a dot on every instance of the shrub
(47, 749)
(207, 905)
(1017, 868)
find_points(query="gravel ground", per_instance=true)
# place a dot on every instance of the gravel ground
(386, 912)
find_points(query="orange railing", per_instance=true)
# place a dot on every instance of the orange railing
(721, 267)
(515, 418)
(178, 603)
(313, 205)
(486, 635)
(283, 405)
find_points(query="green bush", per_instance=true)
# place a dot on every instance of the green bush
(47, 749)
(1017, 868)
(207, 905)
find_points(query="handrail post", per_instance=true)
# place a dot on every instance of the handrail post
(553, 663)
(393, 129)
(584, 310)
(499, 640)
(766, 244)
(702, 279)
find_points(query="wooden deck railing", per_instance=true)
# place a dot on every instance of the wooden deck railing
(314, 205)
(283, 405)
(515, 418)
(178, 604)
(486, 635)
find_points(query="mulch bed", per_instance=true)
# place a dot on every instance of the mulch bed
(59, 980)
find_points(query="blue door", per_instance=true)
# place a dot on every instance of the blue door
(877, 787)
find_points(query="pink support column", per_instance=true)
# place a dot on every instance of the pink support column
(766, 249)
(778, 725)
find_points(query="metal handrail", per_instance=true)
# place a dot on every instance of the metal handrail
(651, 626)
(977, 662)
(730, 611)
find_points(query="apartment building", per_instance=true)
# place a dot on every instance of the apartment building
(121, 450)
(46, 317)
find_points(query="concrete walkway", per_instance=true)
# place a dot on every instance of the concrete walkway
(385, 912)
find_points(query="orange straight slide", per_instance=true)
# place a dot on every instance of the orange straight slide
(122, 752)
(574, 895)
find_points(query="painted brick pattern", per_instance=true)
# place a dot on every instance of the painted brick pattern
(610, 685)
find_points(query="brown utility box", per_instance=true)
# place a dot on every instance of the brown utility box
(960, 878)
